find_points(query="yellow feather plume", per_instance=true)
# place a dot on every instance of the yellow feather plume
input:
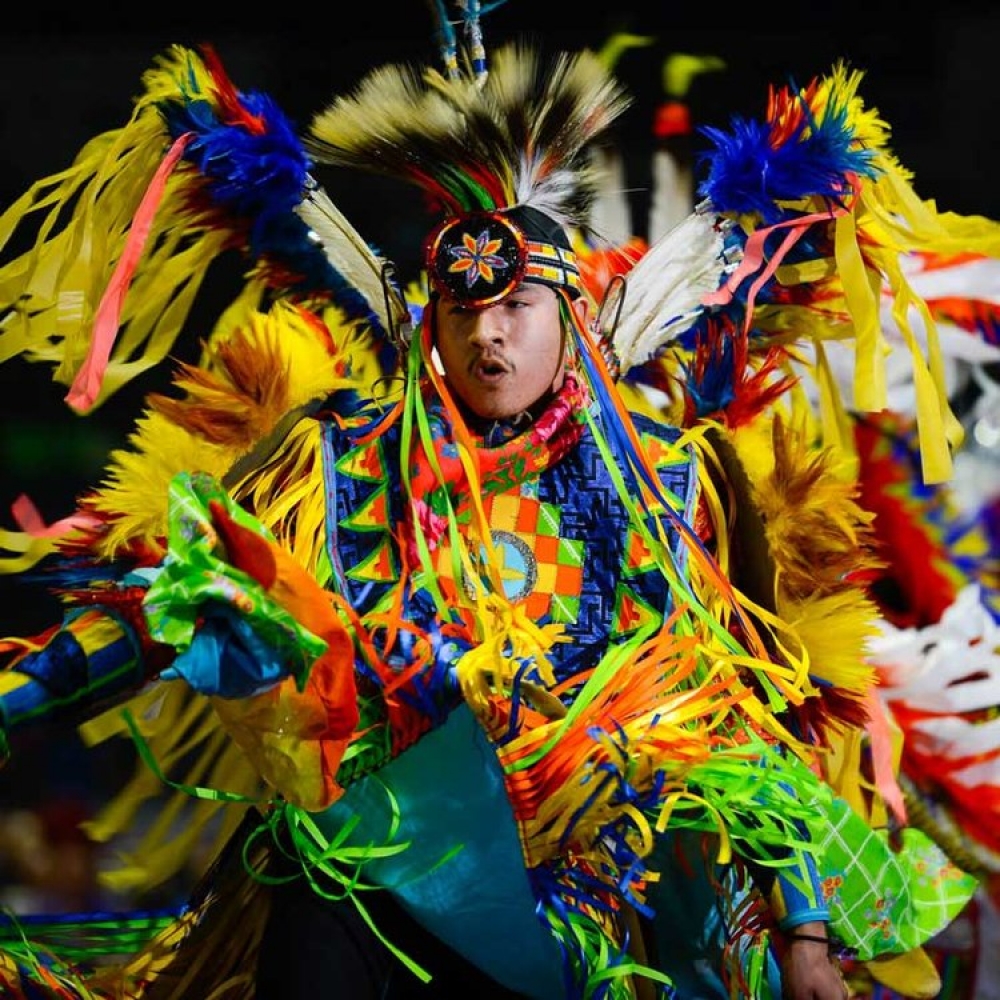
(271, 367)
(835, 630)
(816, 531)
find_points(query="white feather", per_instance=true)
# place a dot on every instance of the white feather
(346, 251)
(666, 287)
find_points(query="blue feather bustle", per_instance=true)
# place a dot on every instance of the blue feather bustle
(753, 172)
(257, 178)
(749, 173)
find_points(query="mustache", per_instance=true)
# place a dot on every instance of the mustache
(492, 359)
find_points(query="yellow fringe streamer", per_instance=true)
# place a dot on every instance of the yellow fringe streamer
(59, 282)
(181, 834)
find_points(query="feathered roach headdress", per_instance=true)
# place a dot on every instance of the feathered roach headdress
(504, 155)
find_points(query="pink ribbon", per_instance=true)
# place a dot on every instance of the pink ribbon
(87, 385)
(29, 519)
(881, 751)
(753, 257)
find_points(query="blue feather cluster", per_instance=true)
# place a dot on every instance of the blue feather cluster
(748, 172)
(60, 573)
(249, 174)
(257, 177)
(714, 391)
(754, 170)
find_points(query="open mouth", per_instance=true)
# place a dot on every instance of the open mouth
(489, 368)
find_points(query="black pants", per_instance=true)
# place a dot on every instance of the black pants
(313, 949)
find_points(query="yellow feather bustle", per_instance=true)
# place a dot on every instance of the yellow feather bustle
(818, 536)
(229, 410)
(817, 532)
(254, 374)
(181, 833)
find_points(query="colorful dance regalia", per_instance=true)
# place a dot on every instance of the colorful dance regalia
(507, 674)
(938, 660)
